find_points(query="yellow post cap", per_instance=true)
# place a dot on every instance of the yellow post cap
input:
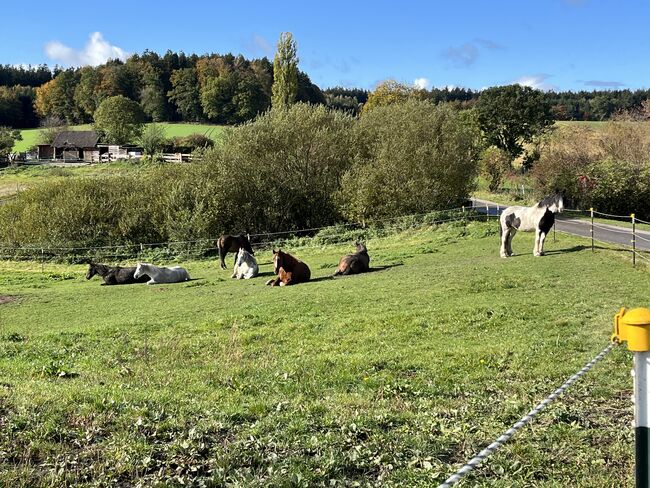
(633, 326)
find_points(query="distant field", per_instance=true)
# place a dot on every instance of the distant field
(30, 136)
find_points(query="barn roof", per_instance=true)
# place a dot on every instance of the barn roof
(76, 138)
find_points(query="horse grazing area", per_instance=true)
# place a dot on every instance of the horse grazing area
(390, 378)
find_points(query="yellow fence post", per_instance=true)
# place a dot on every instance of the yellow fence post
(633, 327)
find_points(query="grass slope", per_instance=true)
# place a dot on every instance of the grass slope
(30, 136)
(392, 378)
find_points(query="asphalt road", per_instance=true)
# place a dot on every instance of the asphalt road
(609, 234)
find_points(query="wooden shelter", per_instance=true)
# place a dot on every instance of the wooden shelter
(72, 145)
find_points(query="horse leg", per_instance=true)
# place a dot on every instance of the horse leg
(540, 248)
(273, 281)
(151, 282)
(504, 243)
(511, 235)
(536, 248)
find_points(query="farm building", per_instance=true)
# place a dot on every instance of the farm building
(71, 146)
(82, 145)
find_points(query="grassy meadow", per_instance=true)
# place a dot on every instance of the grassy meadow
(392, 378)
(30, 136)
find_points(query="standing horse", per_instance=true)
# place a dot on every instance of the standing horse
(114, 275)
(227, 243)
(245, 265)
(359, 262)
(539, 217)
(160, 274)
(290, 270)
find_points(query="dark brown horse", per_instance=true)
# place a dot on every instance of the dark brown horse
(227, 243)
(359, 262)
(115, 275)
(290, 270)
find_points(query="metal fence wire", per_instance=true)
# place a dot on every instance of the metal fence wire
(505, 437)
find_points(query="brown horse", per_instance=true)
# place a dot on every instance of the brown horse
(290, 270)
(227, 243)
(359, 262)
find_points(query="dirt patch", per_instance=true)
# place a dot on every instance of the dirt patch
(6, 299)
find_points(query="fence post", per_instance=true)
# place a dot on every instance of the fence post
(591, 210)
(42, 260)
(487, 211)
(633, 240)
(633, 326)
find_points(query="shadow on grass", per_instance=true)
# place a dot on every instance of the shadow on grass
(567, 250)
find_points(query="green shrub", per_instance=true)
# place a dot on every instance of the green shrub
(413, 157)
(607, 170)
(280, 171)
(495, 164)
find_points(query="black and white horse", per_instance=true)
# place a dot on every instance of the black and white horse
(539, 217)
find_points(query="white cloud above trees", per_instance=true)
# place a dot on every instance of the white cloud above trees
(96, 51)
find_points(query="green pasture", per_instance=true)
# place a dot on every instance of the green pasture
(30, 136)
(392, 378)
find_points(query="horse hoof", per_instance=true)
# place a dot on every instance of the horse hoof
(269, 282)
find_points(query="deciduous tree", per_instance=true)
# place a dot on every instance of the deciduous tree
(512, 115)
(120, 120)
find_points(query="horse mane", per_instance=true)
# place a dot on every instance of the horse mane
(550, 200)
(100, 269)
(288, 261)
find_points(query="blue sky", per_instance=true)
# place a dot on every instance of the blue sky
(551, 44)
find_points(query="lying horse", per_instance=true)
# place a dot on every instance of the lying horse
(245, 265)
(228, 243)
(359, 262)
(114, 275)
(290, 270)
(161, 274)
(539, 217)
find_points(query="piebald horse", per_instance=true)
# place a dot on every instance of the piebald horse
(288, 269)
(160, 274)
(227, 243)
(539, 217)
(359, 262)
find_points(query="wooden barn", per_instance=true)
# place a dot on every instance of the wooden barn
(72, 146)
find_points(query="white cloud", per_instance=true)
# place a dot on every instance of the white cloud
(96, 51)
(422, 83)
(535, 81)
(258, 46)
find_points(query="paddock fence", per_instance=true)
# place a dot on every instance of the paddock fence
(206, 247)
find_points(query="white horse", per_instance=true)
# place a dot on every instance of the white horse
(539, 217)
(160, 274)
(245, 265)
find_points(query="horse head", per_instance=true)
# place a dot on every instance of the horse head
(361, 247)
(278, 260)
(92, 270)
(241, 254)
(139, 271)
(246, 244)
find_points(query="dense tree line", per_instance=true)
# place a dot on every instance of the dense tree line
(225, 89)
(174, 87)
(26, 75)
